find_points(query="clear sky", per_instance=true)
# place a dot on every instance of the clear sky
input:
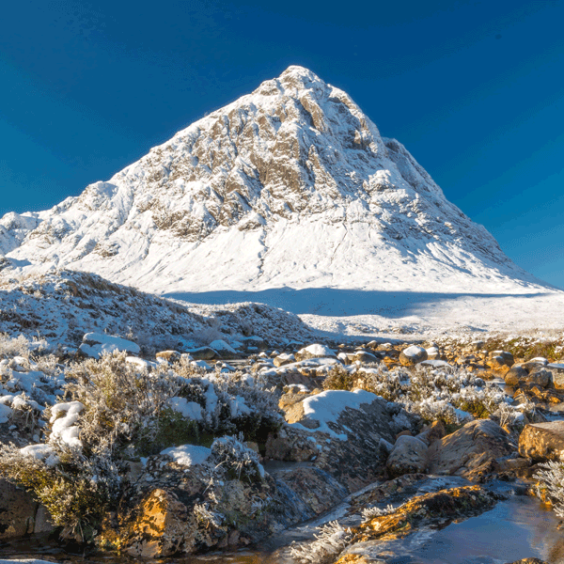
(474, 89)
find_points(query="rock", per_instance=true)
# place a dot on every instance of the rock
(168, 356)
(433, 353)
(515, 374)
(412, 355)
(557, 371)
(542, 441)
(204, 353)
(432, 433)
(20, 515)
(429, 511)
(498, 364)
(183, 506)
(284, 358)
(315, 351)
(363, 356)
(94, 345)
(163, 526)
(471, 451)
(540, 377)
(222, 348)
(408, 456)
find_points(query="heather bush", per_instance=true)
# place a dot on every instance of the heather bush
(435, 394)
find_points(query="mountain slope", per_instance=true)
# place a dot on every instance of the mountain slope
(291, 186)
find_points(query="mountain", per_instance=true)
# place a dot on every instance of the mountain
(289, 188)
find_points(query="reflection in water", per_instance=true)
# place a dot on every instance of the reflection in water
(514, 529)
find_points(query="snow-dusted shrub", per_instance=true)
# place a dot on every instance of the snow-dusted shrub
(14, 346)
(436, 394)
(328, 544)
(241, 462)
(551, 485)
(77, 490)
(369, 513)
(338, 378)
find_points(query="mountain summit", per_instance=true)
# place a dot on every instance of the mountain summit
(291, 186)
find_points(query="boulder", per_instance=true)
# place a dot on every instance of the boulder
(542, 441)
(471, 451)
(315, 351)
(409, 456)
(412, 355)
(363, 356)
(203, 353)
(433, 353)
(540, 377)
(515, 374)
(284, 358)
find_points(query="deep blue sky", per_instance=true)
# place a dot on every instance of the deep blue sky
(473, 89)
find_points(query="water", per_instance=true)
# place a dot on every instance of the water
(516, 528)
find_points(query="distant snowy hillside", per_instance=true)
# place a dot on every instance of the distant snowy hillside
(290, 187)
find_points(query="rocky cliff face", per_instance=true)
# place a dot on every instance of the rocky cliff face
(289, 186)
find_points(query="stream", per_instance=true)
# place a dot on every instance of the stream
(515, 528)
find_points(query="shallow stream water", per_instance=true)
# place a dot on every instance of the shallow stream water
(516, 528)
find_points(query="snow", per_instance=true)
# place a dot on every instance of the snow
(41, 452)
(97, 344)
(188, 455)
(346, 230)
(238, 407)
(436, 363)
(220, 345)
(188, 409)
(326, 407)
(143, 364)
(317, 351)
(5, 413)
(63, 419)
(412, 352)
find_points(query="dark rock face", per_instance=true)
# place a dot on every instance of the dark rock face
(19, 514)
(542, 441)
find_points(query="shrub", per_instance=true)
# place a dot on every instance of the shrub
(328, 544)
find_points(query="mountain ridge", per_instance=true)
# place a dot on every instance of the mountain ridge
(291, 186)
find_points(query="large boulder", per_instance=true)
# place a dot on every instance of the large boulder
(409, 456)
(471, 451)
(412, 355)
(542, 441)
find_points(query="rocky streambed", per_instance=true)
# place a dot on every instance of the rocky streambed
(371, 452)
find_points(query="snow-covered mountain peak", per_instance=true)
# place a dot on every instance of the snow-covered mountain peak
(289, 186)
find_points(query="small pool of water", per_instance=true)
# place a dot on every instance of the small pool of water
(514, 529)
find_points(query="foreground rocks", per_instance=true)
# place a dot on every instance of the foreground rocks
(472, 451)
(542, 441)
